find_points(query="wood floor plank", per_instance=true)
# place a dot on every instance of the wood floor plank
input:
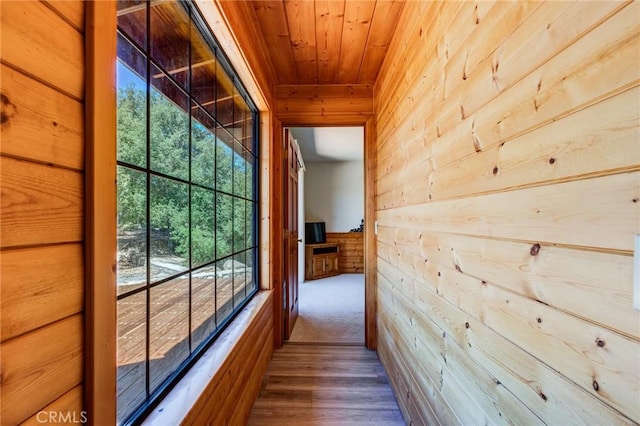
(325, 416)
(324, 384)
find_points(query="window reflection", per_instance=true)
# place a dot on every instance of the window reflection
(239, 277)
(252, 285)
(203, 147)
(203, 304)
(224, 97)
(169, 233)
(249, 174)
(203, 226)
(224, 160)
(131, 104)
(169, 40)
(203, 72)
(132, 356)
(131, 231)
(168, 329)
(224, 290)
(239, 170)
(239, 221)
(224, 225)
(169, 128)
(132, 19)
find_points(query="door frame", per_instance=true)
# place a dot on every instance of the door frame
(277, 218)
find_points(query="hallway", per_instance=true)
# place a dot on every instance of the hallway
(321, 385)
(324, 375)
(148, 241)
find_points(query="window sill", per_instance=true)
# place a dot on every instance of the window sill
(175, 407)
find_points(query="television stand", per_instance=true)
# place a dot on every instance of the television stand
(321, 260)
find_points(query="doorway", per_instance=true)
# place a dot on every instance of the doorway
(331, 182)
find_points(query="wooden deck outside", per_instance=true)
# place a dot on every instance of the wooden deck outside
(170, 328)
(319, 385)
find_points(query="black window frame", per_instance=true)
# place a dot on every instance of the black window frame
(153, 397)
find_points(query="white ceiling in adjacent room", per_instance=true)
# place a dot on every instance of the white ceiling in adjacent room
(321, 144)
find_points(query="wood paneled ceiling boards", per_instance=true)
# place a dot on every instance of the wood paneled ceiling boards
(327, 41)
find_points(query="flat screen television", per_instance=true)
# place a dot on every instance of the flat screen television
(314, 233)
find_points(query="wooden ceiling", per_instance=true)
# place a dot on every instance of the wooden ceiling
(327, 41)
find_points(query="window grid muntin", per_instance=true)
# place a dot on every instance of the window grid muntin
(249, 250)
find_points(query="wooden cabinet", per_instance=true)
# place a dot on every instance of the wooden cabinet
(321, 261)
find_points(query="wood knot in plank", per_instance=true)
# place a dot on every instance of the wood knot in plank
(466, 325)
(476, 143)
(535, 249)
(8, 109)
(596, 386)
(601, 343)
(552, 160)
(495, 170)
(494, 75)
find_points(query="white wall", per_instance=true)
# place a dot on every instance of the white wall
(334, 193)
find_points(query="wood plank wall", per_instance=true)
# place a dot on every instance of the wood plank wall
(508, 170)
(351, 245)
(326, 105)
(42, 162)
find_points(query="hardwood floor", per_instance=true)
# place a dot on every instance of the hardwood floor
(310, 384)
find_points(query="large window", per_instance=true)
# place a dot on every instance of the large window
(187, 197)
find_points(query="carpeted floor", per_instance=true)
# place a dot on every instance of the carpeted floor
(331, 310)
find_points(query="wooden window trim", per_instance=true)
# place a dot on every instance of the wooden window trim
(100, 212)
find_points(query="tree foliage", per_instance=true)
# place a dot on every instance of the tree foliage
(209, 220)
